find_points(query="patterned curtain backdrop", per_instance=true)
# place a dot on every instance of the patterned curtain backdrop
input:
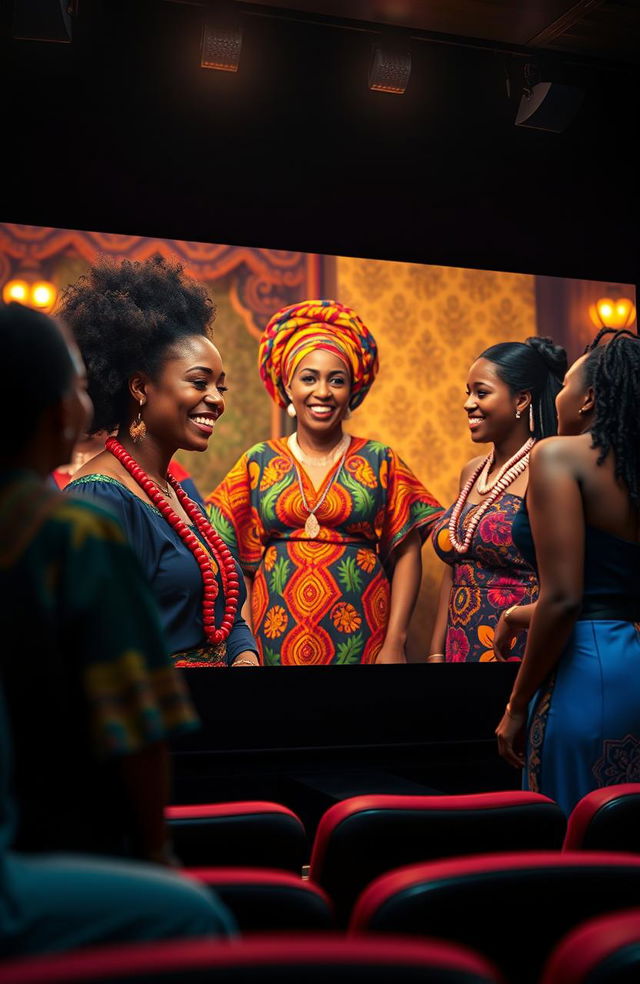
(247, 284)
(430, 323)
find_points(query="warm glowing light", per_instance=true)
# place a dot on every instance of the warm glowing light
(33, 293)
(16, 290)
(389, 71)
(43, 295)
(221, 47)
(609, 313)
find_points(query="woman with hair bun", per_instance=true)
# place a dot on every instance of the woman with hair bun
(511, 388)
(157, 379)
(580, 527)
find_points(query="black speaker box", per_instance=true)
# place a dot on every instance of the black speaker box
(42, 20)
(549, 106)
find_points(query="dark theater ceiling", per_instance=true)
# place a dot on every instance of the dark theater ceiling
(607, 29)
(124, 130)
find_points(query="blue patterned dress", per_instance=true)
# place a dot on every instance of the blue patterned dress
(584, 722)
(490, 577)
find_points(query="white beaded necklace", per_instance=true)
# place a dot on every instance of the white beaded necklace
(514, 467)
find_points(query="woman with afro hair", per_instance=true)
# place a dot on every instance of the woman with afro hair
(157, 380)
(580, 526)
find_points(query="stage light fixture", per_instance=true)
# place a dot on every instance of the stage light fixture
(546, 105)
(390, 70)
(43, 20)
(221, 44)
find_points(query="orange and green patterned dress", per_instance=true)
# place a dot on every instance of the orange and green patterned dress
(323, 600)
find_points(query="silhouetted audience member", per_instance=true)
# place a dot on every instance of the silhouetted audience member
(90, 692)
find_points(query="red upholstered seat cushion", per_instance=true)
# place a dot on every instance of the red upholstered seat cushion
(364, 836)
(606, 948)
(283, 958)
(514, 907)
(252, 833)
(262, 899)
(606, 819)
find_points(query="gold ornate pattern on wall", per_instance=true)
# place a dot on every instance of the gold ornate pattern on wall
(430, 323)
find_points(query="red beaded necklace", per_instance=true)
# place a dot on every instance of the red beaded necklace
(219, 549)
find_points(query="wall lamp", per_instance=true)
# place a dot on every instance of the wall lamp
(609, 312)
(35, 293)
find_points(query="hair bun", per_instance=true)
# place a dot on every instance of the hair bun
(553, 356)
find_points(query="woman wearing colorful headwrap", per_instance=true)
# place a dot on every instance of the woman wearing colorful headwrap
(328, 527)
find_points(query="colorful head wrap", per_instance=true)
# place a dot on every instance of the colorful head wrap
(295, 331)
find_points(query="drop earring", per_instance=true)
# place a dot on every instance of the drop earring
(138, 428)
(291, 410)
(518, 415)
(532, 425)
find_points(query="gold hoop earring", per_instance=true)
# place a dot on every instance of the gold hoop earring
(137, 427)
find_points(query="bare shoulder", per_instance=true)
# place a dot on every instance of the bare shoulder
(469, 468)
(103, 464)
(560, 451)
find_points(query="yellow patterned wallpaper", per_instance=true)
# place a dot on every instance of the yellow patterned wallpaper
(430, 323)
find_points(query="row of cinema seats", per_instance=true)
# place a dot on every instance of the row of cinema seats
(603, 950)
(501, 874)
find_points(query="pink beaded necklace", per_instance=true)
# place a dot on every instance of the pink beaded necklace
(219, 549)
(514, 467)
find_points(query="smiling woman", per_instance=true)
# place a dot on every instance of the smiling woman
(510, 390)
(328, 527)
(158, 384)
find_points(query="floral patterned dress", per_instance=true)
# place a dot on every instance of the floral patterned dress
(325, 599)
(491, 576)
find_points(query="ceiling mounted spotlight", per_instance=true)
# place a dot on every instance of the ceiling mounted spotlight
(43, 20)
(548, 106)
(390, 70)
(221, 41)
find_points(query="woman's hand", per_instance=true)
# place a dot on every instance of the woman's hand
(511, 736)
(504, 637)
(248, 658)
(391, 654)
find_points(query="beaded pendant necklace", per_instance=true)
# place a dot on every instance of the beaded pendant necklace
(219, 549)
(508, 474)
(312, 526)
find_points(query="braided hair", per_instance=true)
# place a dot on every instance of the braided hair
(613, 369)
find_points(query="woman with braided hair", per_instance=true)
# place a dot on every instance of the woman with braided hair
(580, 526)
(328, 527)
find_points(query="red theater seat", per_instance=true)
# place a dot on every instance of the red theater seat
(278, 959)
(514, 908)
(604, 950)
(263, 900)
(606, 819)
(364, 836)
(252, 834)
